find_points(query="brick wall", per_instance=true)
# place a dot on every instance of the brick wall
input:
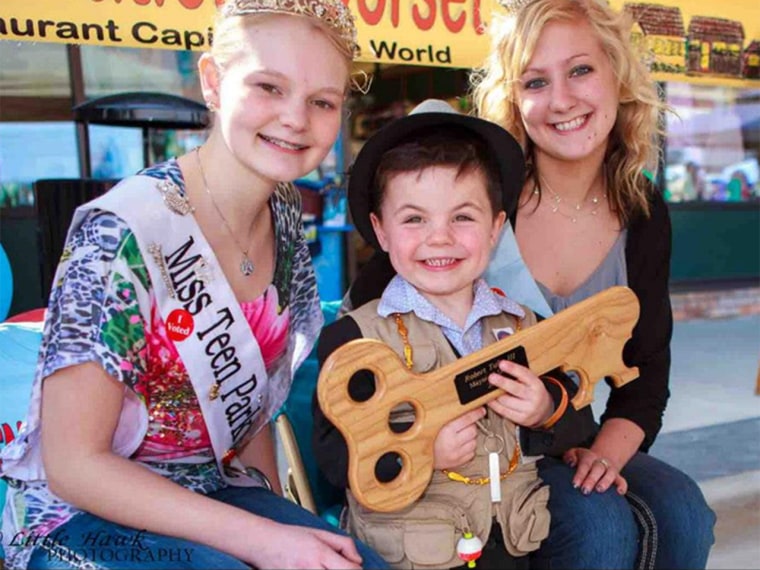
(716, 304)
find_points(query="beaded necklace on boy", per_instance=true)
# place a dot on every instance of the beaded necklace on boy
(493, 455)
(246, 265)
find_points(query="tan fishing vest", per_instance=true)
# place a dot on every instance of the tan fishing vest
(425, 534)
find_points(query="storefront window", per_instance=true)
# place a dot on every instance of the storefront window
(109, 70)
(33, 70)
(713, 144)
(31, 151)
(112, 70)
(170, 143)
(34, 80)
(115, 152)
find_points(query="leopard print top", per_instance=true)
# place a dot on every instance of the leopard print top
(97, 313)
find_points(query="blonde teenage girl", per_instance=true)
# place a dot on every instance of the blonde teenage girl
(563, 77)
(183, 303)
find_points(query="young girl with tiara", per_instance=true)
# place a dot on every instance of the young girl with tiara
(184, 301)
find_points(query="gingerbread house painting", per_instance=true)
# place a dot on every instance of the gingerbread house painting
(661, 31)
(715, 46)
(752, 60)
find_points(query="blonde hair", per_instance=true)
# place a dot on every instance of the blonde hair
(633, 143)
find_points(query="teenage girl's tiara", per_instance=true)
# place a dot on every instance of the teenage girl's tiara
(332, 13)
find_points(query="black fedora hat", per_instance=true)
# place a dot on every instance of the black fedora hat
(430, 114)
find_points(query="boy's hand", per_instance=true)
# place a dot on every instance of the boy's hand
(526, 402)
(455, 444)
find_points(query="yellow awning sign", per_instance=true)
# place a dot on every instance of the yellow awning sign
(447, 33)
(423, 32)
(167, 24)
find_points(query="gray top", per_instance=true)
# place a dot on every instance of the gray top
(610, 272)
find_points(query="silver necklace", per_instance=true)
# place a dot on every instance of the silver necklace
(246, 265)
(556, 202)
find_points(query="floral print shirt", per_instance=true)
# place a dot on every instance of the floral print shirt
(98, 312)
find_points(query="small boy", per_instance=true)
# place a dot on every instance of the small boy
(433, 190)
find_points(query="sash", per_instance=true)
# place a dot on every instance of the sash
(202, 316)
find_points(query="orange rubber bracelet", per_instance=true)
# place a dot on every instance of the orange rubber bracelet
(554, 418)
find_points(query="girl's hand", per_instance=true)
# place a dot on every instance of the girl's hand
(593, 472)
(289, 546)
(456, 442)
(526, 401)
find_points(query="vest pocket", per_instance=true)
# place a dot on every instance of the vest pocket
(430, 543)
(425, 357)
(387, 540)
(526, 512)
(421, 536)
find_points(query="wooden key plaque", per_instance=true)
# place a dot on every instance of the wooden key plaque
(587, 337)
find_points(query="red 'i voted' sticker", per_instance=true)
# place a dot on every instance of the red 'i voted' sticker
(179, 325)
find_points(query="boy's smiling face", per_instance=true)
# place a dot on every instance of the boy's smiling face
(438, 229)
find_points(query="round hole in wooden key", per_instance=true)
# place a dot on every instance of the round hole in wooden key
(361, 385)
(402, 417)
(574, 375)
(388, 467)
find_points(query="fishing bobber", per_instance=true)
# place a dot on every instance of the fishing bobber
(469, 549)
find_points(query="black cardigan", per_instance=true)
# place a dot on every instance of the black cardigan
(647, 255)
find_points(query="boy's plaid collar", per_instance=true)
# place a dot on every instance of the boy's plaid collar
(402, 297)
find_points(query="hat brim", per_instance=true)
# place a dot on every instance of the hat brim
(504, 149)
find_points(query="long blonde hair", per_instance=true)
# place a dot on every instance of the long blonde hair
(634, 141)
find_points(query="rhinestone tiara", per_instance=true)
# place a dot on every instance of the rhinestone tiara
(514, 6)
(332, 13)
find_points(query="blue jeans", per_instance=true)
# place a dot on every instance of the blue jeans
(105, 544)
(600, 530)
